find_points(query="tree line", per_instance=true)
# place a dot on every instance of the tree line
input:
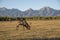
(44, 18)
(29, 18)
(7, 19)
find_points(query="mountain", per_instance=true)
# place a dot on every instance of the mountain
(10, 12)
(45, 11)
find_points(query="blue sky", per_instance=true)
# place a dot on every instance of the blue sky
(26, 4)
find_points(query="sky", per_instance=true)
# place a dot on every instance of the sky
(26, 4)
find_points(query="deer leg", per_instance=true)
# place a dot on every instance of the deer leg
(28, 27)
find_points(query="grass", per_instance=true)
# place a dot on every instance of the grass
(39, 29)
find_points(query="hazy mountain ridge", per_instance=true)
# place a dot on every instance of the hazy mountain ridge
(45, 11)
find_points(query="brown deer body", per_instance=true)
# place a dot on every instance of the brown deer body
(24, 23)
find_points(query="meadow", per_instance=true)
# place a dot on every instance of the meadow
(39, 29)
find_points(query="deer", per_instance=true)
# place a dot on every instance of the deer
(24, 23)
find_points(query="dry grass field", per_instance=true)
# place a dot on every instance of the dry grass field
(39, 29)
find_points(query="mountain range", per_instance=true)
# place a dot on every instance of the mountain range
(45, 11)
